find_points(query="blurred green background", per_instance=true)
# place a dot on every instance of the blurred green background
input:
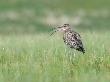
(29, 54)
(33, 16)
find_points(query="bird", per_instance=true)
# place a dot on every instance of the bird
(71, 38)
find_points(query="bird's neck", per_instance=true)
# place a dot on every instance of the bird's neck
(68, 30)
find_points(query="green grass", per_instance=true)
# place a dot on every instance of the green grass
(41, 58)
(29, 54)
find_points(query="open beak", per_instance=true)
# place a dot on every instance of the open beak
(54, 30)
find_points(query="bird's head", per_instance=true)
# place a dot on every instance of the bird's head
(62, 28)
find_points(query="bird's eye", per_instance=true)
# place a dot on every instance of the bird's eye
(59, 27)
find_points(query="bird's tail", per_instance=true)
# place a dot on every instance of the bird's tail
(81, 49)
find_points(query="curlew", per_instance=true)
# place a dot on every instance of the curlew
(71, 38)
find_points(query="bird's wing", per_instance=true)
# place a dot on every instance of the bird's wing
(76, 38)
(73, 40)
(77, 35)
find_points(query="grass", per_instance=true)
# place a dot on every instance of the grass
(41, 58)
(29, 54)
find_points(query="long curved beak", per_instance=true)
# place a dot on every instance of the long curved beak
(54, 30)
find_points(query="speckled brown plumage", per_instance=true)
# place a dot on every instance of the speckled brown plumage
(71, 38)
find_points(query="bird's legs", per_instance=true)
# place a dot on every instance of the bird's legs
(70, 54)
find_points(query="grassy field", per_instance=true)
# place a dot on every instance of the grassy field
(41, 58)
(29, 54)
